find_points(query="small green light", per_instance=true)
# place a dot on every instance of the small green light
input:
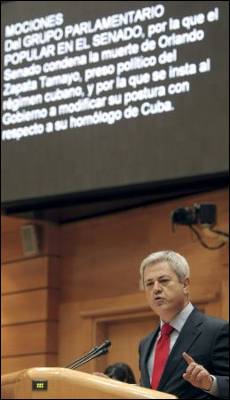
(39, 385)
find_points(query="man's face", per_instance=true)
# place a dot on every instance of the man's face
(166, 295)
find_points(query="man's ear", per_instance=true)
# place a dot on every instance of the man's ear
(186, 285)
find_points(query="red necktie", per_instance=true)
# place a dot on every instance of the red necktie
(161, 354)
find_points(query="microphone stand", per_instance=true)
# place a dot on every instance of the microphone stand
(99, 353)
(93, 353)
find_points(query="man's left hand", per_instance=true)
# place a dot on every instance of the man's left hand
(196, 374)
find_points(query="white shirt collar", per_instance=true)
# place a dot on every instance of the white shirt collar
(178, 322)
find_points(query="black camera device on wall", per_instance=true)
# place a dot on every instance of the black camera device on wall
(204, 214)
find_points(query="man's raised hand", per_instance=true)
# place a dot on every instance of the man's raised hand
(196, 374)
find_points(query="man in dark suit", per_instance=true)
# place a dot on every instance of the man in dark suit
(190, 360)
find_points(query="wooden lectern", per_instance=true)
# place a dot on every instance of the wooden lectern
(63, 383)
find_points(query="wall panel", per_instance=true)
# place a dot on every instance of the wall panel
(17, 363)
(30, 306)
(30, 297)
(29, 338)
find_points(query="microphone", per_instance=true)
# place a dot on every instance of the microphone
(100, 350)
(97, 354)
(93, 353)
(104, 345)
(82, 357)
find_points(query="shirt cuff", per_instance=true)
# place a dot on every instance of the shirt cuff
(214, 389)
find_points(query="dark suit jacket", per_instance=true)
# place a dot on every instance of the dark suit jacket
(206, 340)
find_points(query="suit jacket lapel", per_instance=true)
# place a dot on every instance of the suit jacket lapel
(188, 335)
(147, 349)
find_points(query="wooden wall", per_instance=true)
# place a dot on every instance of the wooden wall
(30, 298)
(99, 283)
